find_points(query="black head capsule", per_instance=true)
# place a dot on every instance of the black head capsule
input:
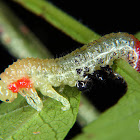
(84, 85)
(99, 77)
(80, 85)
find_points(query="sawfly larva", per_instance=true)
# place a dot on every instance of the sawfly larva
(27, 75)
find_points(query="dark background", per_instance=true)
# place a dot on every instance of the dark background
(101, 17)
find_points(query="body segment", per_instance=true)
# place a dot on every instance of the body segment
(27, 75)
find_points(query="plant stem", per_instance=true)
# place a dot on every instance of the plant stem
(17, 38)
(87, 112)
(60, 20)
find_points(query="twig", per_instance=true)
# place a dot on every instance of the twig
(60, 20)
(17, 38)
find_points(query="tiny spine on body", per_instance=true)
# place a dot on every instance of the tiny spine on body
(27, 75)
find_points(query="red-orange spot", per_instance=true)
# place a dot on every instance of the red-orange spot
(13, 87)
(21, 83)
(35, 133)
(24, 83)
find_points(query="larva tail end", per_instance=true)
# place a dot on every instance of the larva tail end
(32, 98)
(137, 49)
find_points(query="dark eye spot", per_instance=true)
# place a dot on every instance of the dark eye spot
(7, 100)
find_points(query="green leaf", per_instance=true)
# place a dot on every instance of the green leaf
(21, 121)
(122, 121)
(119, 122)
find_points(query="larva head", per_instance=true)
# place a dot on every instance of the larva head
(137, 50)
(5, 94)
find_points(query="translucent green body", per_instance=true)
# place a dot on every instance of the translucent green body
(67, 70)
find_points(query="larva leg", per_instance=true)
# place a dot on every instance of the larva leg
(32, 98)
(61, 88)
(50, 92)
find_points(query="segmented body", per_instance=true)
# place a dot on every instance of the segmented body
(26, 75)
